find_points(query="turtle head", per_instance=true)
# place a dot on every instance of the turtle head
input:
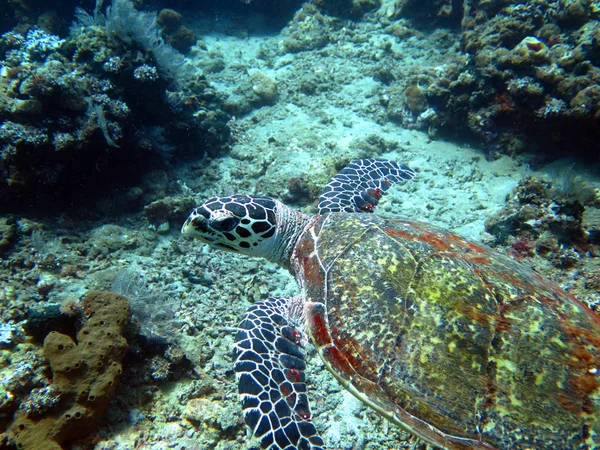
(255, 226)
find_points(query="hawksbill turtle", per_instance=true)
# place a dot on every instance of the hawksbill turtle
(447, 338)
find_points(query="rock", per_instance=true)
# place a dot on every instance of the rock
(7, 232)
(263, 86)
(591, 224)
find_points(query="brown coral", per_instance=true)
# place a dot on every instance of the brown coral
(415, 98)
(85, 373)
(174, 31)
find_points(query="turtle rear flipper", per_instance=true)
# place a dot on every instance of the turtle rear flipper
(269, 364)
(359, 186)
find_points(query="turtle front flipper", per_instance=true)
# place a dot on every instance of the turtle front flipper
(359, 186)
(269, 364)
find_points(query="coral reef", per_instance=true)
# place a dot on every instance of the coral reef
(307, 100)
(175, 32)
(7, 232)
(85, 375)
(74, 111)
(168, 210)
(347, 8)
(442, 12)
(255, 91)
(558, 223)
(26, 13)
(530, 82)
(309, 30)
(21, 372)
(213, 420)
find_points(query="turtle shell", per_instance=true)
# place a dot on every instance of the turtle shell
(448, 338)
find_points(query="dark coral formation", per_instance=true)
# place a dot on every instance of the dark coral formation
(353, 9)
(558, 222)
(300, 190)
(443, 12)
(77, 118)
(85, 375)
(554, 226)
(531, 79)
(175, 32)
(7, 233)
(168, 210)
(50, 17)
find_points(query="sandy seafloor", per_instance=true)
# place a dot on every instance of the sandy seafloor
(299, 136)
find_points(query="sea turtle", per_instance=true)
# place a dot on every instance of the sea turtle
(449, 339)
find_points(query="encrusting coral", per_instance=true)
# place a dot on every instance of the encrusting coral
(85, 375)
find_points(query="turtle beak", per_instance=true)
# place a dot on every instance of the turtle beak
(187, 227)
(196, 226)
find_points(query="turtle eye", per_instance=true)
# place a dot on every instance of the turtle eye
(224, 223)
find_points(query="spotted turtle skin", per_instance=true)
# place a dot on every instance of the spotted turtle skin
(447, 338)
